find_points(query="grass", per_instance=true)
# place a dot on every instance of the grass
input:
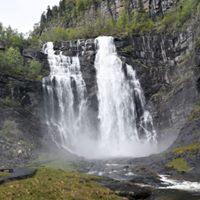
(55, 184)
(3, 174)
(179, 164)
(187, 149)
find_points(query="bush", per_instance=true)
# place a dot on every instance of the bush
(11, 38)
(180, 14)
(11, 61)
(140, 23)
(34, 69)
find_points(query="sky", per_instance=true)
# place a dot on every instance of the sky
(23, 14)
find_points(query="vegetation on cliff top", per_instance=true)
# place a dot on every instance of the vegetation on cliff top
(70, 20)
(11, 60)
(51, 183)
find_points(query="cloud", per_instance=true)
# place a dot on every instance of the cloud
(23, 14)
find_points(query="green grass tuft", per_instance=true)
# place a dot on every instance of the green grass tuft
(57, 184)
(187, 149)
(179, 164)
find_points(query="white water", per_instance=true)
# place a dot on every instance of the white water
(65, 102)
(119, 93)
(125, 126)
(179, 185)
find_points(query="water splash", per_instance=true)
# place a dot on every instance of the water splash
(125, 125)
(179, 184)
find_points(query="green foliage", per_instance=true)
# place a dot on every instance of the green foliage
(137, 22)
(179, 15)
(187, 149)
(34, 42)
(11, 61)
(140, 23)
(34, 69)
(82, 5)
(11, 38)
(72, 23)
(179, 164)
(122, 21)
(56, 184)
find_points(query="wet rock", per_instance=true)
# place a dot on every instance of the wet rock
(17, 174)
(127, 189)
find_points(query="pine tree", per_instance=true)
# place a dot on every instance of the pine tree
(49, 13)
(140, 6)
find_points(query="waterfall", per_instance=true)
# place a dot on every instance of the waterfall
(64, 93)
(124, 121)
(125, 125)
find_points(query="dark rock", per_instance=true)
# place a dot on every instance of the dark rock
(126, 189)
(17, 174)
(34, 54)
(21, 120)
(2, 46)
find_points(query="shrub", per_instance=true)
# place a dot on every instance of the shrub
(11, 38)
(179, 15)
(34, 69)
(11, 61)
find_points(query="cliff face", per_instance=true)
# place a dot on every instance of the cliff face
(167, 66)
(84, 13)
(22, 128)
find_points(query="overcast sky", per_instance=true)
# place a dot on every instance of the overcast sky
(23, 14)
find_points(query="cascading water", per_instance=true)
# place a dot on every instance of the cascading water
(124, 122)
(64, 93)
(125, 126)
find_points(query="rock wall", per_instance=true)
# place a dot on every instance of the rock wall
(22, 128)
(168, 68)
(99, 12)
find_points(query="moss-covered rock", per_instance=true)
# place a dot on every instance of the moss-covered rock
(187, 149)
(179, 164)
(56, 184)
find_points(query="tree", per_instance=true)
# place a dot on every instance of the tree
(13, 60)
(43, 19)
(34, 68)
(62, 6)
(49, 13)
(140, 6)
